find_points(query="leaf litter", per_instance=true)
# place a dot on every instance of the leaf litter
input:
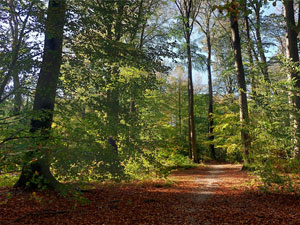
(212, 194)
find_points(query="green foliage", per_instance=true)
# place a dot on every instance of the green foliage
(201, 121)
(273, 133)
(279, 175)
(227, 130)
(146, 166)
(80, 153)
(14, 140)
(175, 160)
(8, 179)
(82, 129)
(271, 122)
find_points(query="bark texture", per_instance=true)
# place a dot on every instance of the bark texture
(293, 55)
(243, 104)
(36, 171)
(249, 51)
(192, 130)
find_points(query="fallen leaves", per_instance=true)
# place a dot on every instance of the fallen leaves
(156, 203)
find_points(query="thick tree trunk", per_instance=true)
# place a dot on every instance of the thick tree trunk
(36, 170)
(292, 53)
(243, 104)
(192, 131)
(210, 101)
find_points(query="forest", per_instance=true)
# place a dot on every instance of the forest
(177, 111)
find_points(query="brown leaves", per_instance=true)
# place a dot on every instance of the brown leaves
(157, 203)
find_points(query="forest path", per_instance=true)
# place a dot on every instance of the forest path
(205, 180)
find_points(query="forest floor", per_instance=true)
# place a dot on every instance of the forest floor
(211, 194)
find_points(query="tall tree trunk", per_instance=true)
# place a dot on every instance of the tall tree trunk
(249, 51)
(179, 105)
(264, 66)
(36, 171)
(243, 105)
(16, 45)
(189, 10)
(210, 101)
(192, 131)
(292, 53)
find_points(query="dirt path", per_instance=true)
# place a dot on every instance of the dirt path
(204, 180)
(206, 184)
(209, 184)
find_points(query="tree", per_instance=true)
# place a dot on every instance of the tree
(249, 49)
(257, 7)
(240, 73)
(188, 12)
(206, 25)
(293, 55)
(36, 171)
